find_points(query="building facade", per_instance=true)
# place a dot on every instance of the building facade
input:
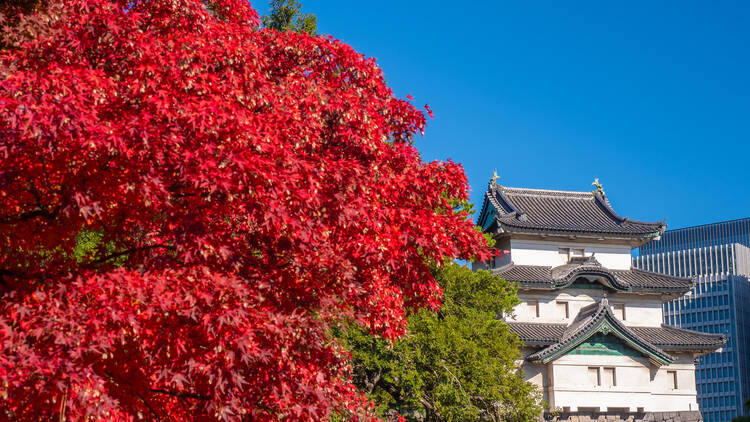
(595, 342)
(718, 257)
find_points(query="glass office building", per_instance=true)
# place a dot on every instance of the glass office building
(717, 256)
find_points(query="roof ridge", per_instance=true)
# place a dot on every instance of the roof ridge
(603, 202)
(500, 196)
(534, 190)
(508, 209)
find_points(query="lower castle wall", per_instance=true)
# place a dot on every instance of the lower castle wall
(684, 416)
(638, 386)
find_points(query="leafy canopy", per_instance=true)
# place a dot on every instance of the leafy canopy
(189, 201)
(285, 15)
(458, 364)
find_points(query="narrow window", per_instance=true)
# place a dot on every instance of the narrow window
(610, 380)
(595, 376)
(672, 379)
(619, 310)
(563, 309)
(533, 308)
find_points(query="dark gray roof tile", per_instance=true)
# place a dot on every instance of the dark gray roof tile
(665, 337)
(559, 212)
(632, 280)
(538, 333)
(674, 338)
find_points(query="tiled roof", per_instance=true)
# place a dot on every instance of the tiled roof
(593, 319)
(559, 212)
(674, 338)
(632, 280)
(538, 333)
(668, 338)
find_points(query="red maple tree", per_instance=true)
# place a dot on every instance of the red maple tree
(189, 201)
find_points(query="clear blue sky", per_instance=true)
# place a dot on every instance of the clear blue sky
(653, 98)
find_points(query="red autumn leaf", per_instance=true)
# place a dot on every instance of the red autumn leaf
(188, 202)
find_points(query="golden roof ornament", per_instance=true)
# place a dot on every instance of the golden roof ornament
(494, 179)
(598, 186)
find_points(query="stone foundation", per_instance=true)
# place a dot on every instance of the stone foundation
(685, 416)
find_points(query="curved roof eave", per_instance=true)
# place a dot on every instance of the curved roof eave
(510, 228)
(629, 281)
(549, 212)
(665, 337)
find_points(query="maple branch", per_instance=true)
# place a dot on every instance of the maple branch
(136, 393)
(150, 409)
(176, 191)
(181, 395)
(389, 388)
(395, 392)
(185, 404)
(129, 251)
(36, 212)
(63, 403)
(6, 274)
(371, 384)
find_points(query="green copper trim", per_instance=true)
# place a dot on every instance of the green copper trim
(601, 344)
(489, 218)
(585, 284)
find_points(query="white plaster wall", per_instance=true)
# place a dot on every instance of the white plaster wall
(639, 384)
(534, 252)
(536, 373)
(640, 310)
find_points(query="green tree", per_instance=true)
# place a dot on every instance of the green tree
(458, 364)
(285, 15)
(742, 418)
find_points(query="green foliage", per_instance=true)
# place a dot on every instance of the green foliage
(285, 15)
(460, 205)
(87, 244)
(487, 238)
(90, 248)
(741, 419)
(455, 365)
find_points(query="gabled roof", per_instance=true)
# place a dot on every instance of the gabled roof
(593, 319)
(563, 213)
(665, 337)
(633, 280)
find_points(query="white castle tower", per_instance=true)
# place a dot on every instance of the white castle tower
(592, 325)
